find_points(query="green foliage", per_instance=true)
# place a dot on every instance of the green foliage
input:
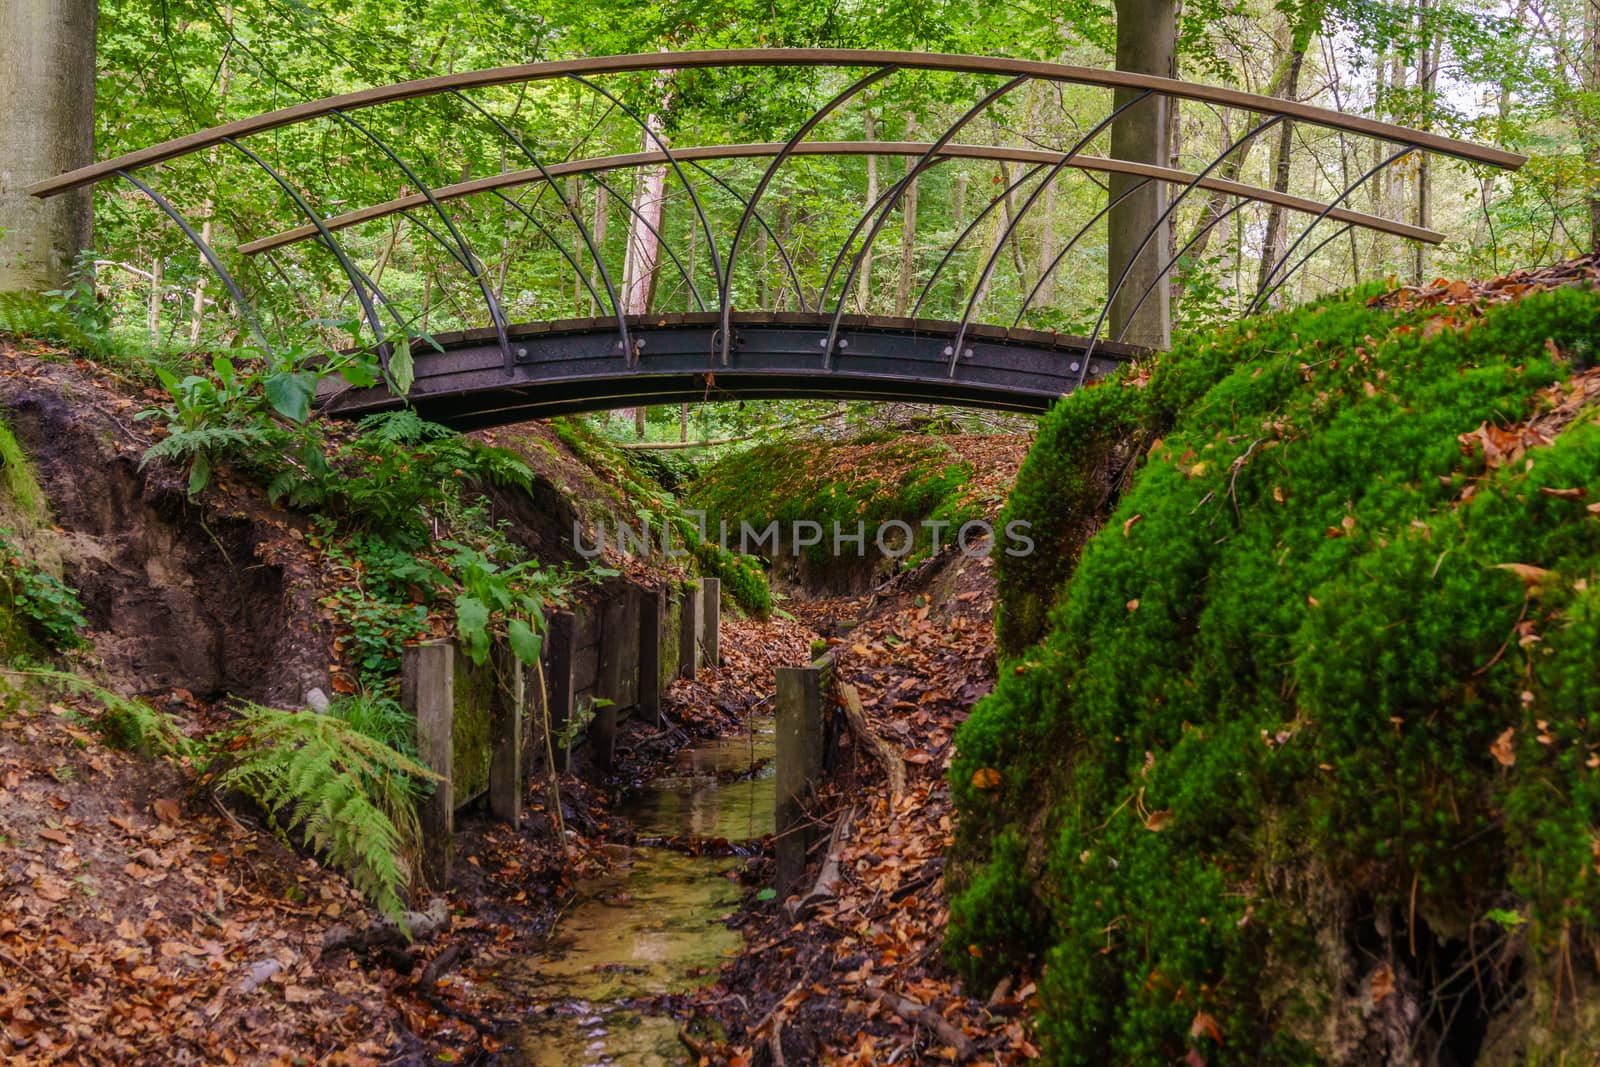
(47, 606)
(351, 797)
(379, 717)
(1293, 653)
(72, 316)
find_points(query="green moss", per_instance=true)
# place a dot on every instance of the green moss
(913, 480)
(21, 499)
(470, 733)
(1289, 615)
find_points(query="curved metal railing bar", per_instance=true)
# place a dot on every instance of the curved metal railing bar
(234, 292)
(1173, 262)
(783, 254)
(854, 88)
(882, 216)
(468, 260)
(1334, 236)
(688, 186)
(961, 237)
(993, 153)
(813, 57)
(978, 290)
(572, 213)
(374, 323)
(1255, 303)
(855, 231)
(661, 238)
(1161, 220)
(527, 213)
(1085, 228)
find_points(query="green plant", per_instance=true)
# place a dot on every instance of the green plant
(47, 605)
(379, 717)
(353, 798)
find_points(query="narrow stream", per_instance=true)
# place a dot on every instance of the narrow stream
(655, 925)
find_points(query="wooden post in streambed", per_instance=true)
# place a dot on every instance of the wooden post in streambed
(804, 698)
(560, 650)
(505, 735)
(427, 690)
(711, 620)
(652, 619)
(689, 633)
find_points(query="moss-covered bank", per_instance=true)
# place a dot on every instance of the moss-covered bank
(1306, 767)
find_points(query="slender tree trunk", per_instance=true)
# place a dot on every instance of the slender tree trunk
(47, 74)
(598, 230)
(198, 311)
(1147, 40)
(1591, 128)
(864, 279)
(153, 311)
(1277, 239)
(641, 263)
(908, 233)
(1427, 85)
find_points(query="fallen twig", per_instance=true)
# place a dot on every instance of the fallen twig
(922, 1015)
(885, 753)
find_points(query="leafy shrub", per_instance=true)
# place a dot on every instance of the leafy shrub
(47, 606)
(1312, 634)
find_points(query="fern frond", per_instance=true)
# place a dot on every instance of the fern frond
(125, 723)
(212, 440)
(402, 427)
(351, 797)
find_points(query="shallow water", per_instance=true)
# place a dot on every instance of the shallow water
(655, 925)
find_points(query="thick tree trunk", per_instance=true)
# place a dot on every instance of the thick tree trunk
(1147, 37)
(47, 73)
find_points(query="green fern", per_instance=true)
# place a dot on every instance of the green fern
(125, 723)
(351, 797)
(402, 427)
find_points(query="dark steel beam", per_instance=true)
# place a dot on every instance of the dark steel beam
(569, 366)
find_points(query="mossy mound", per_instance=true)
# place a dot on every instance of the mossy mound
(635, 492)
(1311, 741)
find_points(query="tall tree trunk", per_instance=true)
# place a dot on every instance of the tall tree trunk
(1277, 239)
(597, 229)
(1047, 249)
(153, 310)
(641, 263)
(864, 279)
(908, 233)
(197, 312)
(1427, 85)
(47, 71)
(1147, 43)
(1590, 130)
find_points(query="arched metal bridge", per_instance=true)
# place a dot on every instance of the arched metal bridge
(809, 344)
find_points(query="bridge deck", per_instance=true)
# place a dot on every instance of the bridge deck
(578, 365)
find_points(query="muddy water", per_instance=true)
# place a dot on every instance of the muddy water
(653, 926)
